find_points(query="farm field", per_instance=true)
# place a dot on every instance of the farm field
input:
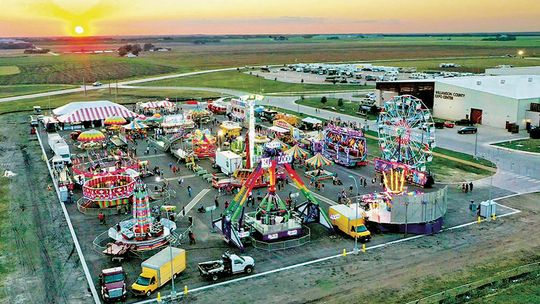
(240, 81)
(9, 70)
(234, 52)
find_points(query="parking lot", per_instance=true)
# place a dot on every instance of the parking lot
(286, 75)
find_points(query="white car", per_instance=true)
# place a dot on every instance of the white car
(97, 84)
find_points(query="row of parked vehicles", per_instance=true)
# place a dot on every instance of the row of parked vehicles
(165, 266)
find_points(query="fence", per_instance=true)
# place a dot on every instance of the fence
(273, 246)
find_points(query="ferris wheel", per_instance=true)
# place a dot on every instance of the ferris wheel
(406, 132)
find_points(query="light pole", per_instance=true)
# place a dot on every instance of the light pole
(476, 144)
(356, 212)
(173, 291)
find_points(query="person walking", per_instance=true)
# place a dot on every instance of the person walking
(216, 202)
(192, 238)
(470, 186)
(101, 218)
(189, 191)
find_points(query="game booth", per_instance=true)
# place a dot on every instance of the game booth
(345, 146)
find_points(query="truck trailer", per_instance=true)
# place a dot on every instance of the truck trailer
(158, 270)
(228, 161)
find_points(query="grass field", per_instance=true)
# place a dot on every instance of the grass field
(9, 70)
(349, 107)
(5, 266)
(244, 82)
(529, 145)
(124, 97)
(23, 89)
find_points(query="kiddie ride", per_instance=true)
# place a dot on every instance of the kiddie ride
(274, 219)
(142, 232)
(345, 146)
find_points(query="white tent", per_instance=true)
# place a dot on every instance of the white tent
(90, 110)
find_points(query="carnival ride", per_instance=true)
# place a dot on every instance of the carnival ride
(273, 220)
(93, 165)
(345, 146)
(107, 191)
(219, 106)
(398, 210)
(142, 231)
(406, 138)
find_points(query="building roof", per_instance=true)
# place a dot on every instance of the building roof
(529, 70)
(90, 110)
(513, 86)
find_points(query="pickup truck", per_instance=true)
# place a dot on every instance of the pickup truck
(228, 265)
(113, 284)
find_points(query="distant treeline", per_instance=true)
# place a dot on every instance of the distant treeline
(36, 51)
(15, 45)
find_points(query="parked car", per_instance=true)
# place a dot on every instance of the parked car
(449, 124)
(467, 130)
(97, 84)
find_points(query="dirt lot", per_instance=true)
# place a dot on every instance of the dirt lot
(403, 272)
(38, 262)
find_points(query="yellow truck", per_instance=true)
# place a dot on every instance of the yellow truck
(350, 221)
(158, 270)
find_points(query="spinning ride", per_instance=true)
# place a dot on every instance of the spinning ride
(345, 146)
(273, 220)
(107, 191)
(142, 232)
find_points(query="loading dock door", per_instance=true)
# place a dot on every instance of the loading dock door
(476, 116)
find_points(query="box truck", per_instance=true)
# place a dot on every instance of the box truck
(159, 269)
(228, 161)
(350, 220)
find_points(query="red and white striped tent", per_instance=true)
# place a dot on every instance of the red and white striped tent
(91, 110)
(157, 104)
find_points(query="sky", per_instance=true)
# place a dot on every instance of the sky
(20, 18)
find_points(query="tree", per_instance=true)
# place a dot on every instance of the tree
(136, 49)
(147, 47)
(324, 99)
(340, 102)
(124, 49)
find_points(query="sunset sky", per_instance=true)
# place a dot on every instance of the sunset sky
(164, 17)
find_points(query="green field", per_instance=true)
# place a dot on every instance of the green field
(529, 145)
(238, 80)
(71, 69)
(23, 89)
(9, 70)
(130, 96)
(349, 107)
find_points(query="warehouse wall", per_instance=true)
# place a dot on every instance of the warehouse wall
(453, 102)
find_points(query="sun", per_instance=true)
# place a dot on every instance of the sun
(79, 30)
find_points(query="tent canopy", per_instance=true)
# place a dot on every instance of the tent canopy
(90, 111)
(311, 120)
